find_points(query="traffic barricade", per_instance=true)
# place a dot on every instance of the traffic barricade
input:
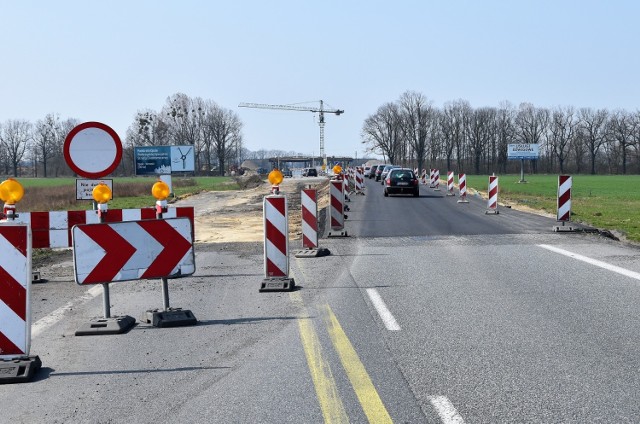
(309, 222)
(450, 184)
(564, 204)
(492, 201)
(462, 186)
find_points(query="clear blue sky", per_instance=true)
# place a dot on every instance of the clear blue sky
(104, 61)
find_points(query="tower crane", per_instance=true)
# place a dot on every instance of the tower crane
(320, 110)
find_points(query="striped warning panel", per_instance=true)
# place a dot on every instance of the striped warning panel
(15, 287)
(564, 198)
(337, 205)
(309, 202)
(276, 236)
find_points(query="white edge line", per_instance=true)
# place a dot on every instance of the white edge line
(617, 269)
(447, 412)
(386, 316)
(56, 316)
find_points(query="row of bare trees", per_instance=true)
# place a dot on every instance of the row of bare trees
(214, 131)
(36, 149)
(39, 144)
(413, 132)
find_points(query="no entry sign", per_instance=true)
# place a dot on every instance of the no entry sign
(92, 150)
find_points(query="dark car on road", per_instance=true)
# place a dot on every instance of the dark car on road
(379, 169)
(372, 171)
(310, 172)
(385, 172)
(401, 181)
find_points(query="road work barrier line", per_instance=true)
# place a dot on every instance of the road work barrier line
(56, 316)
(384, 312)
(447, 412)
(366, 392)
(326, 389)
(616, 269)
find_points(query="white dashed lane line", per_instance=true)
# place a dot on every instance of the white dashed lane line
(386, 315)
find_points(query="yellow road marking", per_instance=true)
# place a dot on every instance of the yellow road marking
(367, 394)
(326, 390)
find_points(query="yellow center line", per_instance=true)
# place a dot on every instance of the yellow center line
(367, 394)
(326, 390)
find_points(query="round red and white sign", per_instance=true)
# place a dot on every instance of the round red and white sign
(92, 150)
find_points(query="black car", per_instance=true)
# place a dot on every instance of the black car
(401, 181)
(310, 172)
(372, 172)
(379, 172)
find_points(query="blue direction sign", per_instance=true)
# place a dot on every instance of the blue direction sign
(163, 160)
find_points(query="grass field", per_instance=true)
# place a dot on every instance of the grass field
(47, 194)
(609, 202)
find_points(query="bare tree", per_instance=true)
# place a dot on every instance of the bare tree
(15, 138)
(382, 131)
(148, 129)
(593, 125)
(621, 130)
(417, 119)
(45, 136)
(480, 128)
(562, 128)
(224, 128)
(505, 133)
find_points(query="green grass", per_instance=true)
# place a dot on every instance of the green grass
(609, 202)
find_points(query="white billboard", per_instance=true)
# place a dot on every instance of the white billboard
(523, 151)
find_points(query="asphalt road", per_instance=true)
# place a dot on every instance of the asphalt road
(430, 311)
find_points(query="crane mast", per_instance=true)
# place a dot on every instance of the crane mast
(320, 111)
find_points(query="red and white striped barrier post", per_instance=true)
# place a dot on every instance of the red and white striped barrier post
(276, 244)
(336, 192)
(564, 203)
(492, 202)
(450, 184)
(462, 186)
(432, 173)
(15, 304)
(309, 202)
(424, 176)
(436, 180)
(359, 181)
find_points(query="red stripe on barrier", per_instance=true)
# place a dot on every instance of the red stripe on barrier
(40, 229)
(309, 218)
(276, 237)
(17, 237)
(120, 252)
(148, 213)
(13, 294)
(273, 270)
(7, 347)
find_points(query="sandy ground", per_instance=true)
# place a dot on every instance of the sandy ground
(236, 216)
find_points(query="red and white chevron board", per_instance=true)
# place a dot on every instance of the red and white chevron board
(492, 202)
(53, 229)
(276, 236)
(309, 202)
(462, 185)
(336, 192)
(450, 183)
(564, 198)
(123, 251)
(15, 290)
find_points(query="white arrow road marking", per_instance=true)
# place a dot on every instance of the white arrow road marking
(384, 312)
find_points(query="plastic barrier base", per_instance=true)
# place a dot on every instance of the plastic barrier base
(173, 317)
(563, 229)
(19, 370)
(492, 212)
(335, 234)
(277, 284)
(313, 253)
(103, 326)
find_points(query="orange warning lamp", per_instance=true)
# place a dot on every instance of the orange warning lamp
(337, 169)
(275, 177)
(101, 193)
(11, 191)
(160, 190)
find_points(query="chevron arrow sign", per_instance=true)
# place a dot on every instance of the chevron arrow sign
(123, 251)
